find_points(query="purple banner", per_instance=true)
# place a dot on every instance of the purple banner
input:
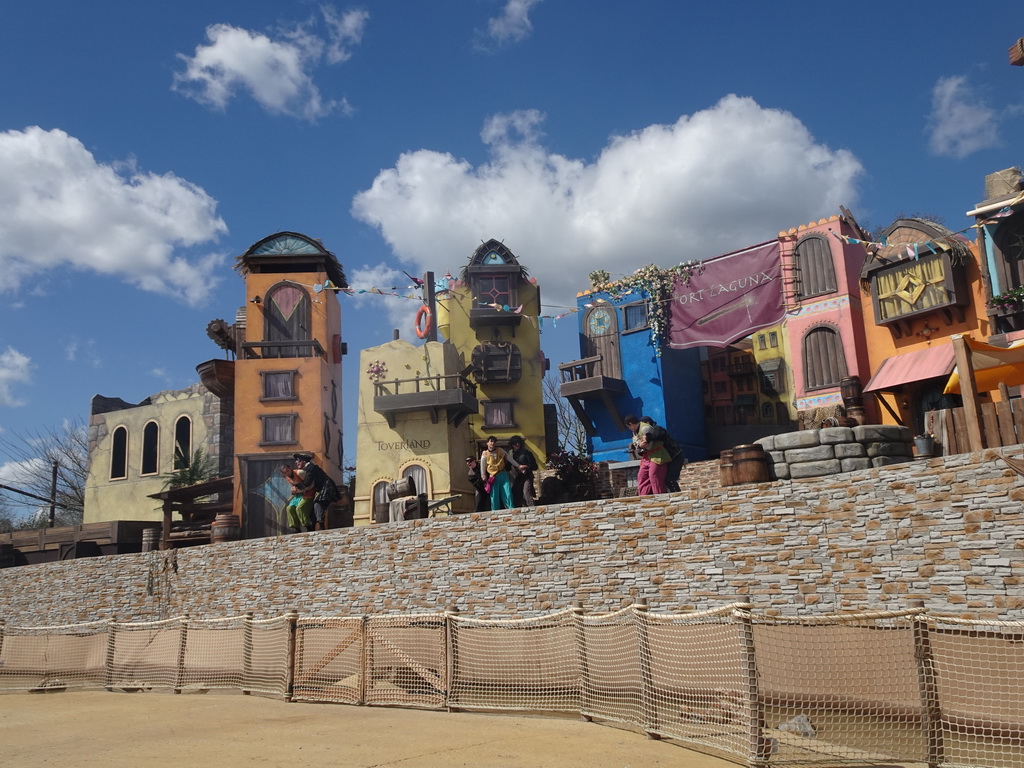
(735, 295)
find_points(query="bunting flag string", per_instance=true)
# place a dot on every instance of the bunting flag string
(914, 249)
(393, 292)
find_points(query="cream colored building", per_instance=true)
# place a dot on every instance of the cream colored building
(133, 447)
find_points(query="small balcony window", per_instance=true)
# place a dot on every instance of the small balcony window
(278, 429)
(498, 413)
(278, 385)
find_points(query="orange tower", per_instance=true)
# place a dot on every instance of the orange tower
(287, 389)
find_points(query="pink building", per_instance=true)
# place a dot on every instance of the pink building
(825, 322)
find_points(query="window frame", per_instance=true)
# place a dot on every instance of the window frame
(265, 419)
(119, 452)
(186, 456)
(626, 327)
(837, 351)
(149, 456)
(265, 377)
(487, 409)
(816, 268)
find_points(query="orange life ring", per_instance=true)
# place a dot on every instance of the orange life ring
(424, 322)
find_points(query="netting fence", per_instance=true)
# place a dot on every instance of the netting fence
(757, 689)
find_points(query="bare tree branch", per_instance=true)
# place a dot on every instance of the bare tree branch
(30, 458)
(572, 437)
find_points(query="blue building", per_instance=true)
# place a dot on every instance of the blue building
(621, 372)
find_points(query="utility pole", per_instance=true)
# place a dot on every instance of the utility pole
(53, 496)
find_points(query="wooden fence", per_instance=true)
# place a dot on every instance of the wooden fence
(1002, 424)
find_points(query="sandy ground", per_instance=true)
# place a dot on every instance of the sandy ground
(122, 730)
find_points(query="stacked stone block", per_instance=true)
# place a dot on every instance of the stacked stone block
(834, 450)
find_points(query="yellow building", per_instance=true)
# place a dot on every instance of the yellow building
(413, 404)
(423, 409)
(490, 316)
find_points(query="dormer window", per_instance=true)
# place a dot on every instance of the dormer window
(494, 277)
(494, 289)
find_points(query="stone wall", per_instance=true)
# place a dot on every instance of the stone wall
(946, 531)
(830, 451)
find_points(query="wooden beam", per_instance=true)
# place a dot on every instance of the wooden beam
(881, 399)
(969, 391)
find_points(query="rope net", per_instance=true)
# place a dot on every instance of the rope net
(845, 689)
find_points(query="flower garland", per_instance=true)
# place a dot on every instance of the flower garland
(657, 283)
(1012, 299)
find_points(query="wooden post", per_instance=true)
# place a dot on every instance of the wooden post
(580, 631)
(451, 670)
(293, 616)
(179, 667)
(969, 391)
(108, 665)
(247, 653)
(759, 748)
(430, 300)
(365, 659)
(647, 698)
(927, 678)
(165, 528)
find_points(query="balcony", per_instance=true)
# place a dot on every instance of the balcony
(584, 379)
(1006, 319)
(742, 368)
(272, 350)
(452, 395)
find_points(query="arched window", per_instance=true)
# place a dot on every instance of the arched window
(150, 448)
(119, 454)
(767, 413)
(182, 442)
(814, 266)
(824, 359)
(287, 319)
(419, 476)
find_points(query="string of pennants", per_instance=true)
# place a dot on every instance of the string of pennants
(914, 250)
(393, 292)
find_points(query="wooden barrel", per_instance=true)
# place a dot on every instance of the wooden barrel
(725, 466)
(749, 464)
(225, 528)
(150, 539)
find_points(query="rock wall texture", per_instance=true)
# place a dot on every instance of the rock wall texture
(947, 531)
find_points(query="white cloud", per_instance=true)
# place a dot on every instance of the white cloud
(15, 368)
(717, 180)
(399, 310)
(513, 24)
(85, 352)
(277, 73)
(63, 209)
(961, 123)
(344, 31)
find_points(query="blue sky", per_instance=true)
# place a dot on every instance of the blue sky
(144, 145)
